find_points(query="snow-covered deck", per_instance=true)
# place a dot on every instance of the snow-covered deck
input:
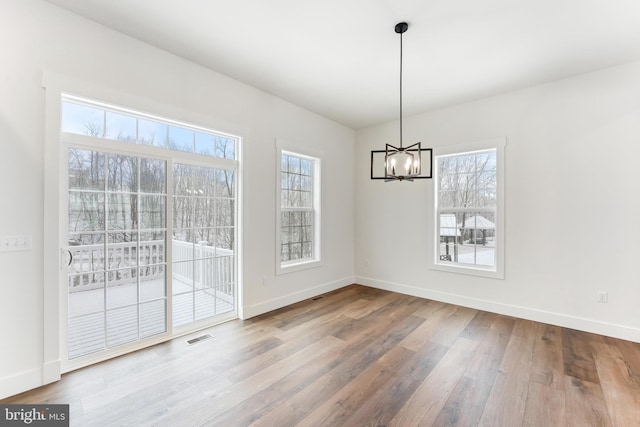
(91, 329)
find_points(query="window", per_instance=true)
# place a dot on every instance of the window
(151, 228)
(469, 211)
(298, 223)
(86, 117)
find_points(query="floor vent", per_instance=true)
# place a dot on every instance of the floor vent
(198, 339)
(316, 298)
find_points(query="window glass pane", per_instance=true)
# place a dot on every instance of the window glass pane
(294, 165)
(225, 147)
(182, 245)
(122, 287)
(89, 290)
(284, 218)
(122, 326)
(86, 169)
(467, 181)
(82, 120)
(78, 345)
(120, 127)
(203, 252)
(122, 210)
(183, 216)
(152, 318)
(205, 143)
(204, 212)
(307, 250)
(86, 211)
(122, 174)
(151, 248)
(225, 239)
(215, 145)
(225, 212)
(284, 252)
(306, 199)
(153, 176)
(225, 183)
(181, 139)
(122, 250)
(294, 199)
(306, 183)
(152, 133)
(115, 124)
(87, 252)
(152, 209)
(306, 166)
(182, 179)
(297, 228)
(295, 251)
(205, 237)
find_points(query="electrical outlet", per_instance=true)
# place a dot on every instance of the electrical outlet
(15, 243)
(603, 296)
(366, 263)
(265, 281)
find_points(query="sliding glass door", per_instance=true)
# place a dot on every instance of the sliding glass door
(117, 283)
(150, 229)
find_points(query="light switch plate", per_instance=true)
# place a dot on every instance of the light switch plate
(15, 243)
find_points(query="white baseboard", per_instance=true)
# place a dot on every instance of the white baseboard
(20, 382)
(51, 372)
(249, 311)
(557, 319)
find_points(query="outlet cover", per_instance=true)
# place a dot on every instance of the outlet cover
(603, 296)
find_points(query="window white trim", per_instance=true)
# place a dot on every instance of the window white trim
(497, 272)
(318, 256)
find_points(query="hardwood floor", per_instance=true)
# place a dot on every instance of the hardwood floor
(361, 356)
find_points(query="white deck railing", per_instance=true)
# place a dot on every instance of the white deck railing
(204, 267)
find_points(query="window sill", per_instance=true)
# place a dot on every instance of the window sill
(297, 266)
(469, 270)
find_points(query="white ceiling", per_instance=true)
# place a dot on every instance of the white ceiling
(340, 58)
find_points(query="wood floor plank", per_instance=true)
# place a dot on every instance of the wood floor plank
(585, 404)
(258, 405)
(465, 405)
(424, 405)
(578, 356)
(362, 356)
(247, 368)
(428, 328)
(488, 356)
(545, 406)
(453, 325)
(373, 305)
(293, 410)
(344, 403)
(203, 410)
(385, 402)
(507, 401)
(548, 361)
(478, 326)
(621, 391)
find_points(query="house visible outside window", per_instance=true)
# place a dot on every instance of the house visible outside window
(298, 223)
(469, 210)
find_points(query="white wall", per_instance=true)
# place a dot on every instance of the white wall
(572, 204)
(36, 36)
